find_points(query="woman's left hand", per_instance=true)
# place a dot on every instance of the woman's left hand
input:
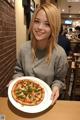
(55, 94)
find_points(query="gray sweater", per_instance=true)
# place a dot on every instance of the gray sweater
(53, 73)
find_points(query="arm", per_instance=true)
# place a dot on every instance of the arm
(18, 72)
(61, 67)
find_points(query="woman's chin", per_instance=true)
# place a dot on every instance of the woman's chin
(39, 39)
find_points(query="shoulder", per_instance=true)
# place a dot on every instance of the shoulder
(59, 51)
(25, 46)
(59, 55)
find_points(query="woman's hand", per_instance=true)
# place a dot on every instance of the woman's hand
(55, 94)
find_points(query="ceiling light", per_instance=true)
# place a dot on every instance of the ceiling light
(62, 10)
(70, 16)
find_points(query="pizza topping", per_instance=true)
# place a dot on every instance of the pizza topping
(27, 92)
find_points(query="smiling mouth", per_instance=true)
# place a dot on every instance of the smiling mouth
(39, 33)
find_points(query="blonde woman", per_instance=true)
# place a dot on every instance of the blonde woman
(42, 57)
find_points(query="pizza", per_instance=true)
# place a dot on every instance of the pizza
(27, 92)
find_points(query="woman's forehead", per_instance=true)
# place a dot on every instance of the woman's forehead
(41, 15)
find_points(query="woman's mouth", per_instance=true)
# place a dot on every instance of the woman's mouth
(39, 33)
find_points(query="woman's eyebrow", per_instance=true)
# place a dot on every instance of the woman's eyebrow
(39, 20)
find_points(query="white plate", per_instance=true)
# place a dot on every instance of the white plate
(32, 109)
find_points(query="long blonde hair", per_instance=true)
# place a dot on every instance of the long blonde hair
(54, 19)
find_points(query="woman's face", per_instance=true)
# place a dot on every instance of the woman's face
(41, 27)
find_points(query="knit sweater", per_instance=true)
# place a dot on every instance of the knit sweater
(53, 73)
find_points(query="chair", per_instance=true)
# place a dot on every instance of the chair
(67, 79)
(73, 78)
(75, 95)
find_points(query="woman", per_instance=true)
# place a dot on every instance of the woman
(42, 57)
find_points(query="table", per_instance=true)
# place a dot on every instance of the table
(62, 110)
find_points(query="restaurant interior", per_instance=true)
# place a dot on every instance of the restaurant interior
(15, 16)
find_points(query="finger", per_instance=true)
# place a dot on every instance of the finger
(54, 100)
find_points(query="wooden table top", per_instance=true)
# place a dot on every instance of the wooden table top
(62, 110)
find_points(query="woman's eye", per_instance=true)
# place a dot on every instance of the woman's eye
(47, 24)
(39, 22)
(36, 21)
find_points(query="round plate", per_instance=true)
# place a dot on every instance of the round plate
(32, 109)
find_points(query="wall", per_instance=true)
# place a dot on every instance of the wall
(21, 32)
(7, 44)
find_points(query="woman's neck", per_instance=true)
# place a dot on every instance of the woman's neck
(42, 44)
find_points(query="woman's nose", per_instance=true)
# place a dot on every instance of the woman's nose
(40, 26)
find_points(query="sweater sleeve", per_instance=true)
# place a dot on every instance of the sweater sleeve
(61, 67)
(18, 72)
